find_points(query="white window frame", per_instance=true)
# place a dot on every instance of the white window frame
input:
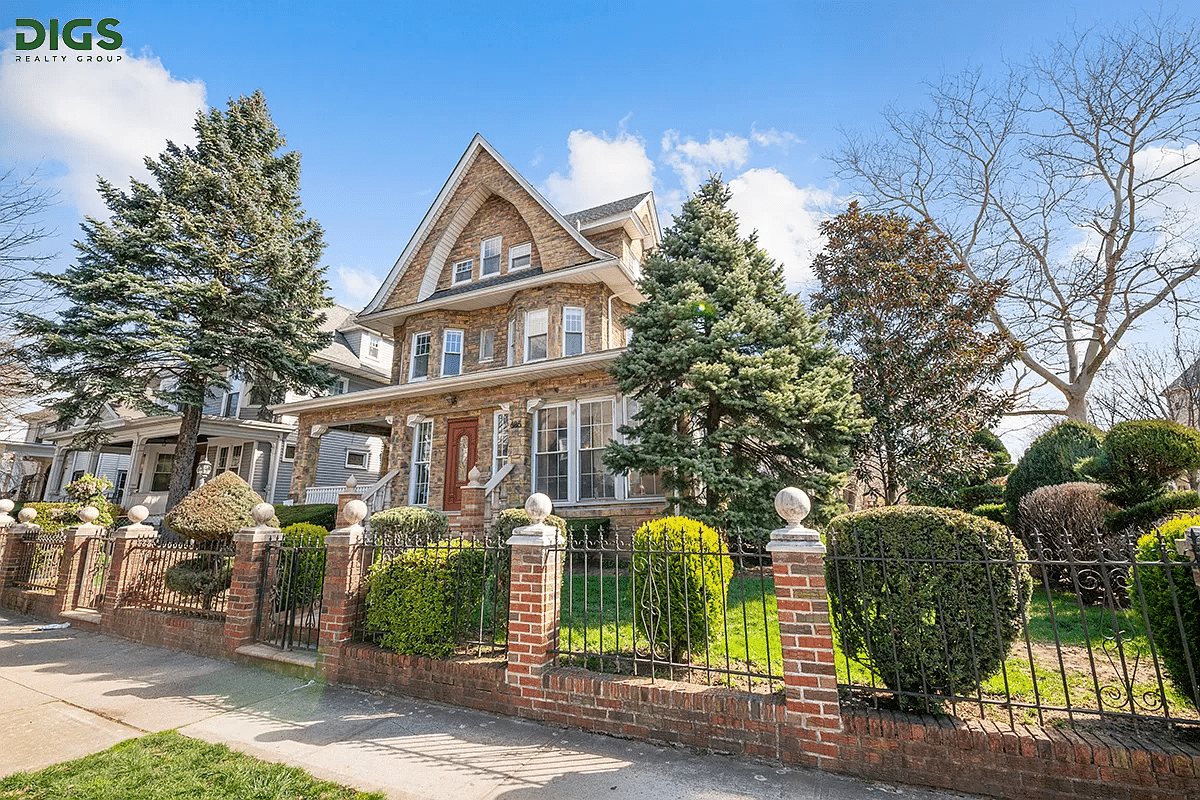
(488, 336)
(454, 275)
(500, 459)
(582, 344)
(483, 255)
(366, 459)
(371, 348)
(340, 386)
(573, 452)
(524, 250)
(412, 356)
(446, 351)
(544, 313)
(231, 410)
(511, 343)
(284, 455)
(422, 430)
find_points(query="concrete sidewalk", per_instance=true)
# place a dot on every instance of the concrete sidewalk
(68, 693)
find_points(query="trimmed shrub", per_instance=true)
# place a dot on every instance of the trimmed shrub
(408, 526)
(1053, 458)
(423, 599)
(216, 511)
(996, 512)
(974, 496)
(205, 577)
(1067, 523)
(914, 598)
(681, 573)
(54, 517)
(511, 518)
(1145, 516)
(301, 574)
(323, 514)
(1140, 456)
(1175, 637)
(88, 490)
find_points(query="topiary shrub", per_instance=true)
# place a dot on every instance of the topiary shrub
(1139, 457)
(681, 573)
(205, 576)
(408, 526)
(301, 568)
(323, 514)
(911, 591)
(423, 599)
(996, 512)
(1067, 523)
(1053, 458)
(216, 511)
(511, 518)
(1145, 516)
(1176, 638)
(88, 490)
(983, 494)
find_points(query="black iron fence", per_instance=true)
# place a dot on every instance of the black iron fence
(38, 560)
(701, 611)
(180, 578)
(289, 607)
(95, 555)
(436, 596)
(1065, 628)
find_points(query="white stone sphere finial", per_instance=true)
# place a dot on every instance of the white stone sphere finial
(355, 512)
(137, 515)
(88, 514)
(351, 482)
(6, 506)
(793, 505)
(27, 514)
(262, 513)
(538, 507)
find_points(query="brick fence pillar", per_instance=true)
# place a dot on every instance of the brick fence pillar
(12, 549)
(809, 673)
(470, 516)
(79, 539)
(251, 550)
(129, 555)
(341, 596)
(6, 520)
(534, 589)
(349, 495)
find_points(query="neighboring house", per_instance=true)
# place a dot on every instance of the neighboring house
(235, 434)
(1182, 397)
(25, 456)
(506, 314)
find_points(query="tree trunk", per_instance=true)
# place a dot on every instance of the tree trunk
(185, 454)
(1077, 406)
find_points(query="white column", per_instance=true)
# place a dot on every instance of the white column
(133, 481)
(273, 467)
(57, 467)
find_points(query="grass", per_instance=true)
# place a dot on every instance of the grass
(170, 766)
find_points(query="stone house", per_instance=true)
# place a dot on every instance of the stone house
(506, 314)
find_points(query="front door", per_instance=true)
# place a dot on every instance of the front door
(462, 438)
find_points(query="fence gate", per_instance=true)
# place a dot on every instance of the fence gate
(289, 607)
(94, 557)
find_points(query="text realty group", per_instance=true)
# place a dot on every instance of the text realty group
(75, 35)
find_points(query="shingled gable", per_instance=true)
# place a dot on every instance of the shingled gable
(482, 175)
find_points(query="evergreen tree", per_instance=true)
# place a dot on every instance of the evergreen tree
(208, 274)
(907, 312)
(740, 394)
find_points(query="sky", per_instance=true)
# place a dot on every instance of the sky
(590, 102)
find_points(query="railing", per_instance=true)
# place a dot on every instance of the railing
(38, 562)
(622, 611)
(325, 494)
(1108, 630)
(377, 496)
(457, 589)
(180, 578)
(289, 606)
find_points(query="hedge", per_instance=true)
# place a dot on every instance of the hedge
(1144, 516)
(1053, 458)
(1139, 457)
(323, 514)
(1175, 637)
(408, 526)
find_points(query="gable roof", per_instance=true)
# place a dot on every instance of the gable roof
(477, 146)
(338, 353)
(606, 210)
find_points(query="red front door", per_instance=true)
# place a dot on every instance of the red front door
(462, 439)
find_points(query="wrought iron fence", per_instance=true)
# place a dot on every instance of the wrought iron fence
(696, 613)
(180, 578)
(1104, 627)
(289, 603)
(37, 564)
(457, 590)
(95, 556)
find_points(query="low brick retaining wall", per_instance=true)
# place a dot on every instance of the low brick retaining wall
(43, 605)
(201, 637)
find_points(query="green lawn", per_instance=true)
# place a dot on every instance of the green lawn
(170, 766)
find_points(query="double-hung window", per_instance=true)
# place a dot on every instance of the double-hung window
(551, 465)
(372, 347)
(595, 432)
(572, 331)
(418, 490)
(489, 256)
(536, 326)
(163, 464)
(418, 370)
(569, 445)
(519, 256)
(499, 441)
(487, 344)
(452, 347)
(462, 271)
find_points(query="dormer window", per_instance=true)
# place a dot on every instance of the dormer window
(462, 271)
(518, 256)
(231, 404)
(489, 256)
(372, 348)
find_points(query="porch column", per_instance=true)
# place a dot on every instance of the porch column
(133, 481)
(308, 451)
(273, 467)
(57, 467)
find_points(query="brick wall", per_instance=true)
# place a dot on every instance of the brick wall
(202, 637)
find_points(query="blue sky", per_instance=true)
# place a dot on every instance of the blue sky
(590, 102)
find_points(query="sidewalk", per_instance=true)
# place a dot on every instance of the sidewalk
(68, 693)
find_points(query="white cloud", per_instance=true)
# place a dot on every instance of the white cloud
(94, 119)
(354, 287)
(692, 160)
(600, 170)
(773, 138)
(785, 215)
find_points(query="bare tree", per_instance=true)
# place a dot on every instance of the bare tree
(1149, 382)
(1066, 182)
(23, 201)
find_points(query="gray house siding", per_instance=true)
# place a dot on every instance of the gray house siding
(331, 465)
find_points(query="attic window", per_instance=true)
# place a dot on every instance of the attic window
(462, 271)
(489, 256)
(518, 256)
(372, 347)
